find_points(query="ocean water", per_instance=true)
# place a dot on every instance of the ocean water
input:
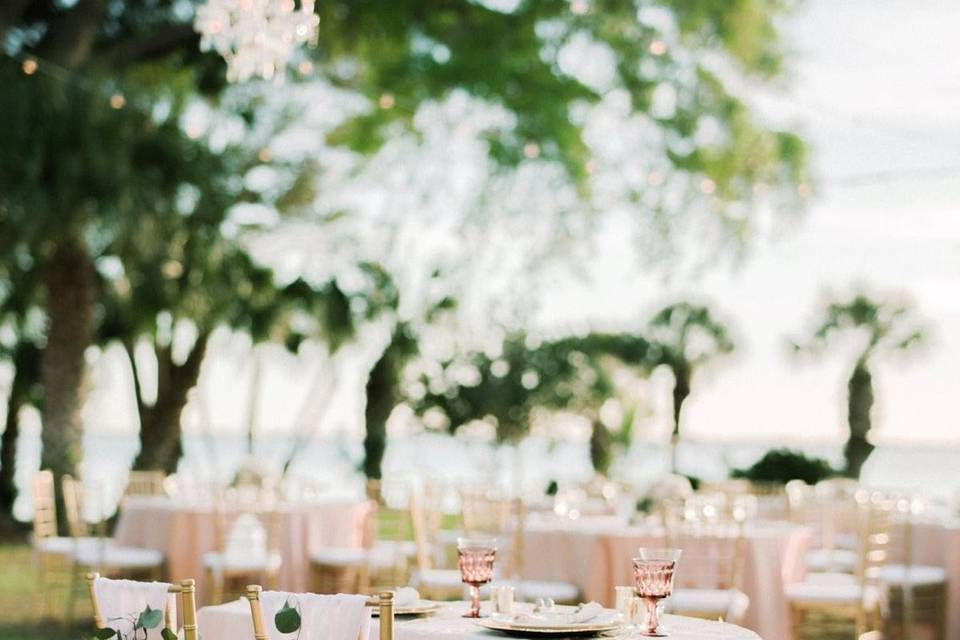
(333, 463)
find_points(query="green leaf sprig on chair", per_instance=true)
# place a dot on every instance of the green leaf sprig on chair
(143, 621)
(287, 619)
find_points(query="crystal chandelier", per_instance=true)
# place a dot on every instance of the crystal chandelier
(255, 37)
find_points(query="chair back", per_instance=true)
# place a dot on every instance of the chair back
(484, 513)
(426, 519)
(145, 483)
(44, 505)
(73, 506)
(186, 592)
(713, 555)
(875, 516)
(243, 526)
(383, 601)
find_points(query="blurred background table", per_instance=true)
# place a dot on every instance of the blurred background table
(185, 532)
(595, 553)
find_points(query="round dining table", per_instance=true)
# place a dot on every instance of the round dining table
(231, 621)
(595, 555)
(184, 532)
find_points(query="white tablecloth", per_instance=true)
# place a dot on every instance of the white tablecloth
(185, 532)
(596, 556)
(231, 621)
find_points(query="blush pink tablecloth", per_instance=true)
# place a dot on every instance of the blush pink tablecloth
(596, 556)
(938, 544)
(185, 532)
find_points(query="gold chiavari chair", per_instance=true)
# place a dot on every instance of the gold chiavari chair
(383, 601)
(53, 554)
(872, 635)
(432, 582)
(713, 555)
(917, 593)
(186, 591)
(349, 569)
(145, 483)
(245, 528)
(505, 519)
(830, 603)
(830, 510)
(102, 555)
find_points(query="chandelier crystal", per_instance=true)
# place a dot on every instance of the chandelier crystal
(256, 37)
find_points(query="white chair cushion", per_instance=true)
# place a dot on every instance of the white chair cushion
(215, 562)
(732, 604)
(118, 557)
(832, 593)
(65, 546)
(914, 575)
(382, 556)
(340, 557)
(831, 560)
(831, 578)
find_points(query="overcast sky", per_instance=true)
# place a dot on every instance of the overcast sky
(875, 85)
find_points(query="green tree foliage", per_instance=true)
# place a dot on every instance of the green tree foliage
(779, 466)
(571, 374)
(685, 337)
(876, 327)
(76, 174)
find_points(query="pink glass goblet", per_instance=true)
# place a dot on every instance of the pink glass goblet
(475, 558)
(653, 571)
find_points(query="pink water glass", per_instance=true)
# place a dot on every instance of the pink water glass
(475, 558)
(653, 571)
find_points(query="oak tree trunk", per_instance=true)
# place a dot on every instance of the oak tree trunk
(24, 390)
(70, 289)
(161, 444)
(381, 399)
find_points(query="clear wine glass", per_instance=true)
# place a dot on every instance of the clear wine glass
(653, 571)
(475, 558)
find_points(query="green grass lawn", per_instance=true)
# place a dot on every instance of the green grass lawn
(22, 602)
(28, 612)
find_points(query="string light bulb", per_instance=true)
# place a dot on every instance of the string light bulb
(30, 66)
(117, 101)
(257, 38)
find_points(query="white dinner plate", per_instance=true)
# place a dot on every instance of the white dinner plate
(417, 608)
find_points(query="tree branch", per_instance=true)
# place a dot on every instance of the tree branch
(165, 40)
(71, 35)
(137, 388)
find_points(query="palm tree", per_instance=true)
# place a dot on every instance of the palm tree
(883, 327)
(685, 337)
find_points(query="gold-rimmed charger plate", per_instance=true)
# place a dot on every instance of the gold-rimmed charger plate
(534, 629)
(418, 608)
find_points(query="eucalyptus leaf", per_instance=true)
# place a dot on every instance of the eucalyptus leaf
(168, 634)
(149, 618)
(287, 620)
(105, 634)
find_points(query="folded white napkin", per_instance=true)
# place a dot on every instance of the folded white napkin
(405, 597)
(586, 612)
(123, 603)
(339, 617)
